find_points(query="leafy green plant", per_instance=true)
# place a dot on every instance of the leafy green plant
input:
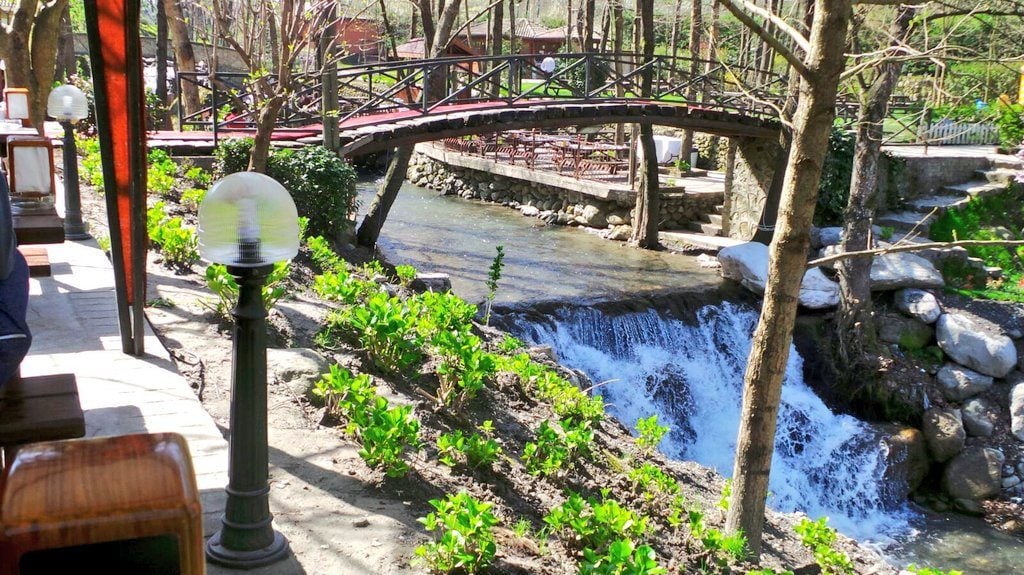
(649, 433)
(478, 451)
(178, 244)
(723, 501)
(622, 558)
(91, 164)
(103, 242)
(161, 173)
(323, 256)
(931, 571)
(659, 492)
(568, 401)
(443, 311)
(682, 165)
(720, 548)
(463, 367)
(820, 539)
(387, 435)
(834, 186)
(192, 197)
(493, 275)
(466, 527)
(554, 446)
(769, 571)
(224, 286)
(593, 523)
(405, 274)
(347, 395)
(198, 177)
(386, 328)
(510, 344)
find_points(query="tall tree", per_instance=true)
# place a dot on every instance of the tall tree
(820, 60)
(184, 55)
(696, 29)
(28, 45)
(647, 213)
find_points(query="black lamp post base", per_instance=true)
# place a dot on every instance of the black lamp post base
(218, 554)
(79, 231)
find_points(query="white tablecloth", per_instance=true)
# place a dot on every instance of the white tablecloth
(668, 148)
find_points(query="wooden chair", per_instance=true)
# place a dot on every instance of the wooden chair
(69, 495)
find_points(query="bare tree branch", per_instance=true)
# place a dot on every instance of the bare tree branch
(768, 37)
(911, 248)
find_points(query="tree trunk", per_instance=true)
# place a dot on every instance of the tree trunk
(674, 39)
(264, 130)
(513, 40)
(589, 10)
(66, 64)
(29, 44)
(184, 56)
(648, 197)
(161, 63)
(369, 230)
(497, 24)
(696, 27)
(619, 19)
(855, 329)
(769, 352)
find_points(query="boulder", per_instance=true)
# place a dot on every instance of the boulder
(830, 236)
(530, 211)
(980, 417)
(747, 263)
(974, 474)
(907, 456)
(969, 343)
(1017, 411)
(435, 282)
(616, 220)
(619, 233)
(943, 433)
(959, 383)
(592, 216)
(908, 332)
(918, 304)
(903, 270)
(297, 368)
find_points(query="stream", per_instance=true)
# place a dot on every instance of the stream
(683, 363)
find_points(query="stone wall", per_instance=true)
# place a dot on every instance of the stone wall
(925, 175)
(553, 204)
(747, 184)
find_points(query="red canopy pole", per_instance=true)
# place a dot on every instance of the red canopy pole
(116, 58)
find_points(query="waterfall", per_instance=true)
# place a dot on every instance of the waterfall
(691, 375)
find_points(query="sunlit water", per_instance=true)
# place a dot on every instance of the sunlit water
(690, 373)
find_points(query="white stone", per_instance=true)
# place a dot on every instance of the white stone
(979, 417)
(918, 304)
(529, 211)
(903, 270)
(968, 343)
(959, 383)
(1017, 411)
(298, 368)
(747, 263)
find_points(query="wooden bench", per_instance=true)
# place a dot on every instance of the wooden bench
(40, 408)
(38, 261)
(39, 228)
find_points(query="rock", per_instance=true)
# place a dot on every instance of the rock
(830, 236)
(747, 263)
(1011, 482)
(297, 368)
(619, 233)
(908, 332)
(593, 217)
(549, 217)
(907, 456)
(980, 417)
(545, 351)
(918, 304)
(435, 282)
(969, 507)
(1017, 411)
(968, 343)
(959, 383)
(943, 433)
(974, 474)
(616, 220)
(903, 270)
(529, 211)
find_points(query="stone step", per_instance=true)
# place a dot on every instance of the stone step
(1006, 162)
(711, 229)
(938, 203)
(998, 176)
(973, 188)
(715, 219)
(720, 208)
(905, 220)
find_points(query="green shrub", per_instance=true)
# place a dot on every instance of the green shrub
(386, 328)
(834, 186)
(347, 395)
(192, 197)
(649, 433)
(595, 524)
(476, 450)
(389, 432)
(466, 527)
(224, 286)
(161, 173)
(553, 447)
(568, 401)
(178, 244)
(510, 344)
(820, 538)
(463, 367)
(321, 183)
(92, 163)
(622, 558)
(405, 274)
(1010, 122)
(720, 548)
(931, 571)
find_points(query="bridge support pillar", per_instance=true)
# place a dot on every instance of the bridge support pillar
(751, 187)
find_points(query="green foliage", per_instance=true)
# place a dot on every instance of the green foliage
(478, 451)
(649, 433)
(389, 432)
(554, 446)
(463, 367)
(224, 286)
(622, 558)
(386, 328)
(91, 164)
(161, 173)
(820, 538)
(321, 183)
(1010, 122)
(659, 492)
(493, 275)
(568, 401)
(192, 197)
(156, 110)
(510, 344)
(405, 274)
(466, 527)
(834, 187)
(769, 571)
(323, 256)
(683, 165)
(443, 312)
(723, 501)
(720, 548)
(931, 571)
(342, 286)
(595, 524)
(178, 244)
(198, 177)
(104, 243)
(347, 395)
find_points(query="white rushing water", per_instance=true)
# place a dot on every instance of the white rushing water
(692, 376)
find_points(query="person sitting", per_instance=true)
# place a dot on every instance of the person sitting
(15, 337)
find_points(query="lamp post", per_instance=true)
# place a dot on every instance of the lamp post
(67, 104)
(247, 222)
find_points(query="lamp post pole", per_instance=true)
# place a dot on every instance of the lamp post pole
(74, 227)
(247, 538)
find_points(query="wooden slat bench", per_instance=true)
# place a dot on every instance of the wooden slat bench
(38, 260)
(40, 408)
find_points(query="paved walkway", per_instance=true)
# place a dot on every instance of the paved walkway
(73, 317)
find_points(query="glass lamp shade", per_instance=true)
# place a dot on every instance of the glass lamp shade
(17, 103)
(248, 219)
(67, 104)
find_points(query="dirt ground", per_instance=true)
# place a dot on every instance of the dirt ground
(341, 517)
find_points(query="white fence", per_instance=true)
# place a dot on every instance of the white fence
(948, 132)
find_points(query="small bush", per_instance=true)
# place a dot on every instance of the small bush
(820, 538)
(466, 526)
(224, 286)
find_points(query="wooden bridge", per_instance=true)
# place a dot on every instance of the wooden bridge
(383, 105)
